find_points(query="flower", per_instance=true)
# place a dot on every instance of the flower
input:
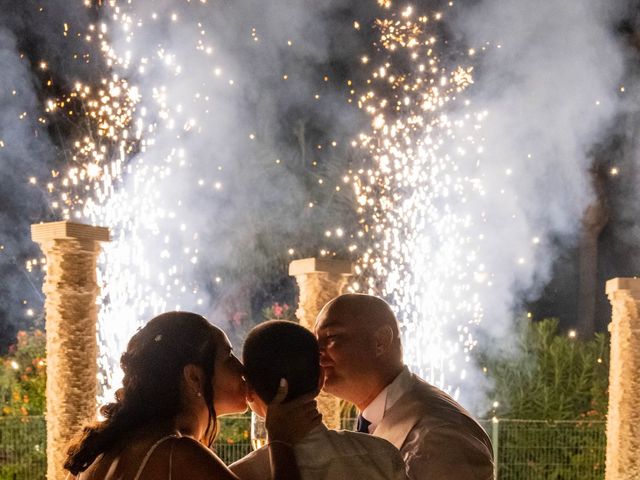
(238, 317)
(279, 311)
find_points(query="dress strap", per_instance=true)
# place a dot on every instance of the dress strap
(171, 460)
(150, 451)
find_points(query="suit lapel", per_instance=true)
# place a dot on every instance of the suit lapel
(399, 420)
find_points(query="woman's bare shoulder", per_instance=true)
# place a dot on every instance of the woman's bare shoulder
(192, 460)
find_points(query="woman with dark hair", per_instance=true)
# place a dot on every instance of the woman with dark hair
(179, 375)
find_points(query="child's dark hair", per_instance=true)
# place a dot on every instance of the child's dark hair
(151, 395)
(281, 349)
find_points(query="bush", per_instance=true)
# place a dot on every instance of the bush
(550, 376)
(562, 381)
(22, 392)
(23, 376)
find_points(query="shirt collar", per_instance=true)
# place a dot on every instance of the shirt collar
(389, 395)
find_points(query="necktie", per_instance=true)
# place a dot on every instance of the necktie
(363, 424)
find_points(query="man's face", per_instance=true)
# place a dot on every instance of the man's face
(347, 352)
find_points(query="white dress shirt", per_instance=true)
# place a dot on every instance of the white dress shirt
(332, 455)
(386, 399)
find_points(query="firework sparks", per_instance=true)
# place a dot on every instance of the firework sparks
(412, 193)
(135, 163)
(110, 181)
(411, 197)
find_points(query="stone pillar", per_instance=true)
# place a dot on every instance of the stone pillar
(71, 314)
(623, 419)
(319, 281)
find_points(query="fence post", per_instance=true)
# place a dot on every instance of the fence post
(495, 439)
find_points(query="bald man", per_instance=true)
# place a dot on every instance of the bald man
(361, 353)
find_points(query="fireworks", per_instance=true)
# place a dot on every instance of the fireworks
(116, 173)
(420, 155)
(103, 142)
(141, 131)
(151, 142)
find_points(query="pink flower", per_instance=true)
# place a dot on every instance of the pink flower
(277, 310)
(237, 318)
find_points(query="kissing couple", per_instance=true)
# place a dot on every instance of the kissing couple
(180, 375)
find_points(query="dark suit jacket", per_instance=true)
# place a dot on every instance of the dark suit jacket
(438, 439)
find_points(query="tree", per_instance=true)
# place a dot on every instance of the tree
(594, 220)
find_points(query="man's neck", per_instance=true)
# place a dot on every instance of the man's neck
(381, 382)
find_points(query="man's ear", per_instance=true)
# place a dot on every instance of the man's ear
(193, 378)
(384, 339)
(321, 378)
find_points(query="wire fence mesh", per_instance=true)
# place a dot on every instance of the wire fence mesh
(23, 448)
(558, 450)
(525, 449)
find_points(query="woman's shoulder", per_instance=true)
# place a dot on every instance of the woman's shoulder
(186, 458)
(192, 460)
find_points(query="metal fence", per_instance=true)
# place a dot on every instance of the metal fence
(524, 449)
(559, 450)
(22, 448)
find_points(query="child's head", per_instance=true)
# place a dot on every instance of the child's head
(280, 349)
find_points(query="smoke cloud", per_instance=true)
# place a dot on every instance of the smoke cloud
(550, 77)
(23, 153)
(32, 49)
(233, 111)
(550, 80)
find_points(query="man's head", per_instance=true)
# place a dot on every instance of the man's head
(280, 349)
(360, 348)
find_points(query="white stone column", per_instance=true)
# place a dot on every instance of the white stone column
(623, 419)
(319, 281)
(71, 314)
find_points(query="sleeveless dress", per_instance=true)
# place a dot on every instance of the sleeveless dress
(148, 456)
(150, 452)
